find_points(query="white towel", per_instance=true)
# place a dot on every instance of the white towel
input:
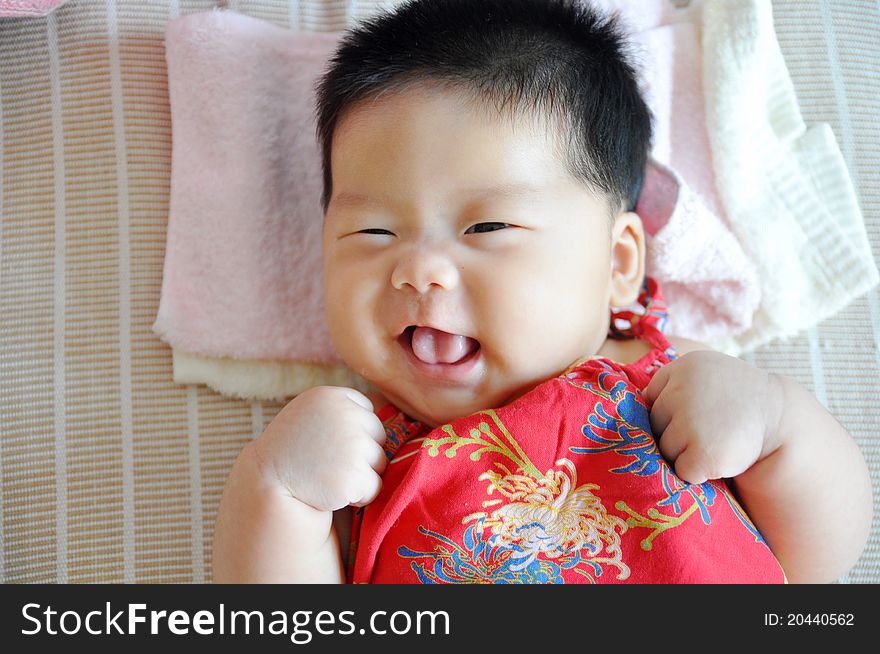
(785, 188)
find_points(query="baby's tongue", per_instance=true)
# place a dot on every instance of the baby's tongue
(433, 346)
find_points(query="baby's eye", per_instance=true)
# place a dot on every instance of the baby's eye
(375, 230)
(480, 228)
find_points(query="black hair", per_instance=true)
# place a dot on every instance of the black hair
(559, 59)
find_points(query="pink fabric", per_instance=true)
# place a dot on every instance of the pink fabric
(28, 7)
(711, 286)
(673, 88)
(242, 274)
(707, 278)
(645, 14)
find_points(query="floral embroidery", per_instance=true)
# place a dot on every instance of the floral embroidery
(542, 518)
(552, 516)
(480, 561)
(627, 432)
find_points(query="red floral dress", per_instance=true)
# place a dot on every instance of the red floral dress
(564, 485)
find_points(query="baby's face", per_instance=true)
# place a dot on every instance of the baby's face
(462, 266)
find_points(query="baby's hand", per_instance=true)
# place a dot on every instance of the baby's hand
(325, 448)
(714, 416)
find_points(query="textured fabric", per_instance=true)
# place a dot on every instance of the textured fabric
(565, 484)
(262, 379)
(111, 472)
(784, 185)
(20, 8)
(242, 274)
(706, 275)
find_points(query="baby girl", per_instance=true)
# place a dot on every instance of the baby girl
(482, 161)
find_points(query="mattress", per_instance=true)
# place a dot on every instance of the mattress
(110, 472)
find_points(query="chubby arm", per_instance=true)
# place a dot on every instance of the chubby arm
(287, 500)
(799, 474)
(810, 494)
(265, 535)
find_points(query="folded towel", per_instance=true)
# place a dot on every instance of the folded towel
(18, 8)
(241, 301)
(713, 288)
(648, 14)
(243, 256)
(673, 88)
(260, 379)
(785, 188)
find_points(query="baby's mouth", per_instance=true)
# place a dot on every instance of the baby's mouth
(433, 346)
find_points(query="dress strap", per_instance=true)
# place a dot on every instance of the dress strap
(646, 319)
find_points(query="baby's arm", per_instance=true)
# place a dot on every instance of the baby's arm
(265, 535)
(811, 494)
(799, 474)
(320, 454)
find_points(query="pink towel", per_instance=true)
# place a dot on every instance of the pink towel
(242, 275)
(19, 8)
(711, 287)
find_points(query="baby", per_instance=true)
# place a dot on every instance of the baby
(482, 162)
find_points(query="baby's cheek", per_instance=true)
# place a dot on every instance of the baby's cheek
(353, 340)
(551, 323)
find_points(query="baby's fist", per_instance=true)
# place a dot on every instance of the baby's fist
(714, 415)
(325, 448)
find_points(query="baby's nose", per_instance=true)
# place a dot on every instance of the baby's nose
(421, 270)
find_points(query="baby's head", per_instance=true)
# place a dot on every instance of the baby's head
(481, 162)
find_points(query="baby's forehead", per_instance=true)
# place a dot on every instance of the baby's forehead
(424, 143)
(403, 102)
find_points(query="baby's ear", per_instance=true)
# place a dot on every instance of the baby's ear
(627, 259)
